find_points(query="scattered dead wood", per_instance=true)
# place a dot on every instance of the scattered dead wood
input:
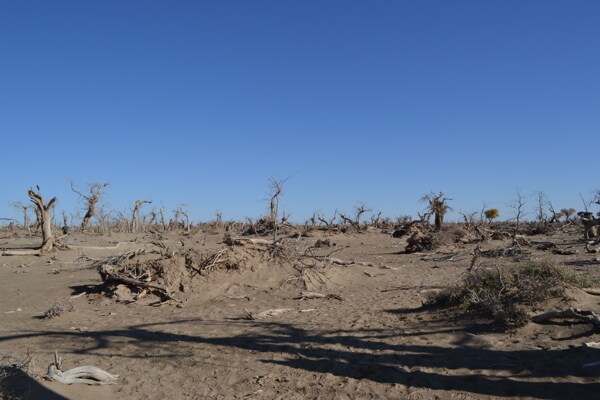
(265, 314)
(231, 241)
(590, 249)
(110, 274)
(338, 261)
(564, 252)
(574, 313)
(476, 255)
(87, 374)
(314, 295)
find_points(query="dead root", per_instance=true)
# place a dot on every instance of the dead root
(571, 313)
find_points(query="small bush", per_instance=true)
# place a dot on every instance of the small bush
(56, 310)
(505, 295)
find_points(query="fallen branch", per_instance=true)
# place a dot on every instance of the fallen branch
(353, 262)
(108, 275)
(266, 313)
(584, 315)
(313, 295)
(86, 374)
(593, 291)
(230, 241)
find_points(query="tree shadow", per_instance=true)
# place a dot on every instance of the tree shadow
(376, 355)
(16, 384)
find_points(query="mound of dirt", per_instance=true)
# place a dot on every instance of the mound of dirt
(132, 275)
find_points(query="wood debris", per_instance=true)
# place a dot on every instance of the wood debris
(265, 314)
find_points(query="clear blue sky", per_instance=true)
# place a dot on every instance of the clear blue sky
(200, 102)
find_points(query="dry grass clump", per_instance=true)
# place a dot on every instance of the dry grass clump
(505, 295)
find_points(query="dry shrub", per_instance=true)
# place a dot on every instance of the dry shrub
(506, 295)
(57, 309)
(425, 239)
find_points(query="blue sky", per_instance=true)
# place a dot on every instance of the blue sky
(200, 102)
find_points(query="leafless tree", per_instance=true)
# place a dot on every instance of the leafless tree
(135, 216)
(153, 216)
(542, 203)
(518, 205)
(104, 219)
(596, 199)
(219, 219)
(437, 206)
(24, 209)
(348, 221)
(469, 218)
(276, 186)
(311, 223)
(95, 193)
(163, 221)
(484, 207)
(585, 203)
(359, 211)
(554, 215)
(328, 223)
(376, 219)
(181, 210)
(45, 212)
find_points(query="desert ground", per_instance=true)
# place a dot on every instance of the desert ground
(371, 337)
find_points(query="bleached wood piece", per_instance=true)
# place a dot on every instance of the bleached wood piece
(16, 252)
(339, 261)
(266, 313)
(593, 291)
(87, 374)
(314, 295)
(584, 315)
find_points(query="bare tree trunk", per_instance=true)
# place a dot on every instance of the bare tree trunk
(92, 199)
(439, 221)
(135, 217)
(45, 212)
(162, 219)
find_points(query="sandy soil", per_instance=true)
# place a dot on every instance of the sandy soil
(378, 343)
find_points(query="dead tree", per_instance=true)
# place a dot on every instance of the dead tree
(153, 216)
(518, 206)
(437, 206)
(135, 217)
(23, 208)
(542, 202)
(276, 186)
(45, 212)
(182, 211)
(95, 190)
(218, 220)
(375, 219)
(163, 222)
(360, 210)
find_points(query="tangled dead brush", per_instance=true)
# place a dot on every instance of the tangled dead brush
(426, 239)
(163, 271)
